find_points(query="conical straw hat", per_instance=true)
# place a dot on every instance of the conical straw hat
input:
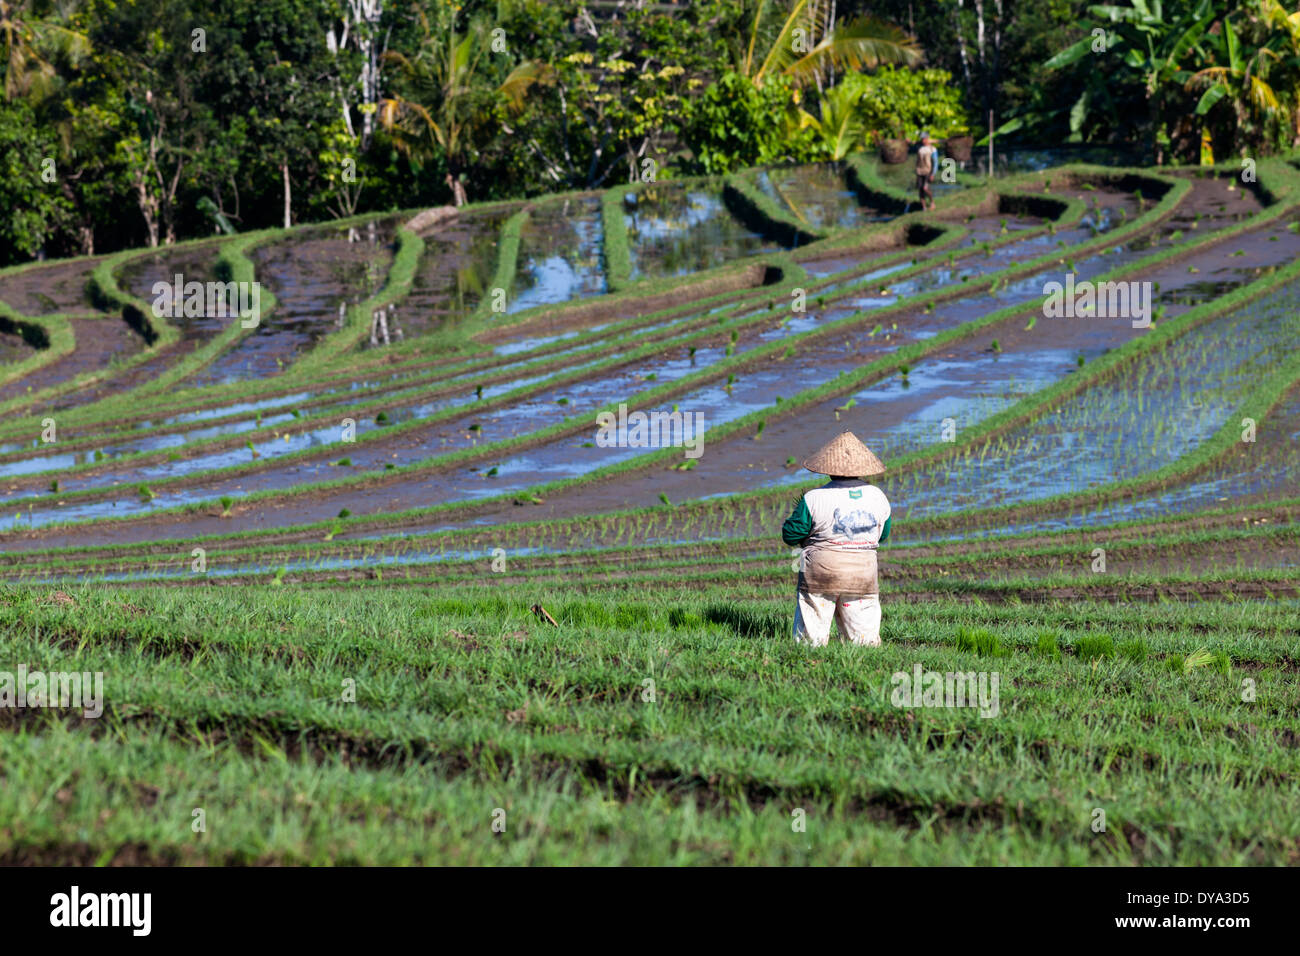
(846, 456)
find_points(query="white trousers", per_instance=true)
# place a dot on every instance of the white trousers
(858, 616)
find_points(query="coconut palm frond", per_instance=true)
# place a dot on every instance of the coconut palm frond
(408, 123)
(804, 27)
(523, 78)
(862, 44)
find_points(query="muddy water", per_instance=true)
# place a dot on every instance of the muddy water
(674, 230)
(311, 272)
(139, 277)
(57, 287)
(980, 228)
(966, 384)
(1136, 425)
(534, 464)
(1251, 474)
(272, 413)
(100, 341)
(459, 261)
(1106, 210)
(561, 254)
(331, 269)
(817, 196)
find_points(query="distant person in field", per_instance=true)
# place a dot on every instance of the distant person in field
(927, 161)
(839, 527)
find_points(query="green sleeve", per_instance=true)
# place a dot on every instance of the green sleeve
(885, 534)
(798, 526)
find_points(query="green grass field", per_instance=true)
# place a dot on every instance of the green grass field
(644, 729)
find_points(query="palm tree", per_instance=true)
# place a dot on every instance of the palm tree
(807, 45)
(840, 126)
(29, 43)
(451, 95)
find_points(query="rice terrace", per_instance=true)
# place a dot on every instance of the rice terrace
(450, 523)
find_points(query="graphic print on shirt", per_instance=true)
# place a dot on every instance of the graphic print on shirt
(845, 515)
(857, 524)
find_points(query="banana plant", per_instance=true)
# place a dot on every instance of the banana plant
(1239, 77)
(1151, 49)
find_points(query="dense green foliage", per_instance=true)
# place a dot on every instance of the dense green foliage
(150, 121)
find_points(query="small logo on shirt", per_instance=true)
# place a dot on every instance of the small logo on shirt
(855, 493)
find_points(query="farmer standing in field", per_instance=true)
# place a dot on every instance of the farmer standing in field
(927, 160)
(839, 526)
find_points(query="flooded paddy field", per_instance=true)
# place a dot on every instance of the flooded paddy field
(507, 434)
(47, 288)
(561, 254)
(313, 275)
(818, 196)
(675, 229)
(454, 274)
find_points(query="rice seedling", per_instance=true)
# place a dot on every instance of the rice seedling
(980, 641)
(1094, 647)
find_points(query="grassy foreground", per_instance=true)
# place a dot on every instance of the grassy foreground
(647, 728)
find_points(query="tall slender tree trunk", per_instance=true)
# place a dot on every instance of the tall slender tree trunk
(85, 226)
(148, 209)
(284, 169)
(961, 49)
